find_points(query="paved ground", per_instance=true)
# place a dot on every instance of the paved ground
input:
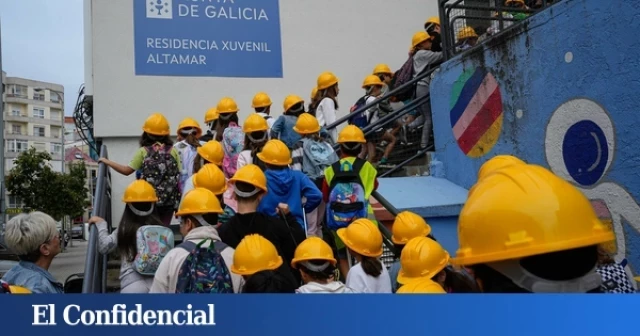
(69, 262)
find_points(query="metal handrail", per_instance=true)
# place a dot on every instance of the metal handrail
(391, 117)
(95, 269)
(386, 234)
(378, 100)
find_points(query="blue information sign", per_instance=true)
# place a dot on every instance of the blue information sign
(212, 38)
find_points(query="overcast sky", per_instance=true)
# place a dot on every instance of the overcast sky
(43, 40)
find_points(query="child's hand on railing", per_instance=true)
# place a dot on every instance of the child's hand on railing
(95, 220)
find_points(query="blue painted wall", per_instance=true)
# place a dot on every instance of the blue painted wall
(569, 89)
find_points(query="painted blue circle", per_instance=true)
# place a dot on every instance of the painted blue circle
(585, 152)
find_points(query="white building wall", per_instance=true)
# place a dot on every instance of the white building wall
(347, 37)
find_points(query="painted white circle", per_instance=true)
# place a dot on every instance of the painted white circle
(568, 57)
(519, 114)
(565, 116)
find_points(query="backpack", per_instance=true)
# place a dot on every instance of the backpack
(204, 270)
(233, 144)
(187, 156)
(153, 242)
(347, 201)
(402, 76)
(161, 170)
(317, 156)
(361, 121)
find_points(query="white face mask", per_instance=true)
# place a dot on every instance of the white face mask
(526, 280)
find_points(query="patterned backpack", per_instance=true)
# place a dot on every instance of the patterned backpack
(204, 270)
(233, 144)
(161, 170)
(187, 155)
(153, 242)
(347, 201)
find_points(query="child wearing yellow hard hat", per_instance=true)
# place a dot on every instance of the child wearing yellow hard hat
(250, 187)
(516, 243)
(257, 260)
(314, 259)
(140, 210)
(364, 241)
(198, 212)
(156, 138)
(312, 155)
(423, 258)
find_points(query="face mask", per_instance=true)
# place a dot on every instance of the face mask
(524, 279)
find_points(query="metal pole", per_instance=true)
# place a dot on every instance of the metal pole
(3, 206)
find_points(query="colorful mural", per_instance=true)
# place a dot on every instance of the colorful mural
(476, 112)
(567, 104)
(580, 146)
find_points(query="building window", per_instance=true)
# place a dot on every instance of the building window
(15, 111)
(56, 148)
(17, 146)
(19, 91)
(39, 146)
(54, 97)
(55, 115)
(38, 112)
(14, 202)
(38, 96)
(38, 131)
(16, 129)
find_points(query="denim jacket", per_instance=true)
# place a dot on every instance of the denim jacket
(34, 278)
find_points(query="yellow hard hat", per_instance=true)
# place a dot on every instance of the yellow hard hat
(139, 191)
(306, 124)
(419, 37)
(327, 80)
(314, 93)
(156, 124)
(254, 123)
(190, 123)
(433, 19)
(261, 99)
(421, 258)
(424, 286)
(210, 177)
(291, 100)
(351, 133)
(497, 162)
(382, 69)
(275, 153)
(371, 80)
(227, 105)
(525, 210)
(254, 254)
(313, 248)
(466, 32)
(199, 201)
(19, 290)
(408, 225)
(252, 175)
(211, 115)
(516, 1)
(212, 151)
(363, 237)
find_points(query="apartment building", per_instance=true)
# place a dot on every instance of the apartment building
(33, 117)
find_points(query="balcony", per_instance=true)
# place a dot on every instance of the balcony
(24, 100)
(26, 119)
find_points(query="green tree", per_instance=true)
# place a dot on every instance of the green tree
(42, 189)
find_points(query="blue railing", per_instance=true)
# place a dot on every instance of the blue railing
(95, 269)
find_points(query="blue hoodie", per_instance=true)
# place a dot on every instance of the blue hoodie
(289, 186)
